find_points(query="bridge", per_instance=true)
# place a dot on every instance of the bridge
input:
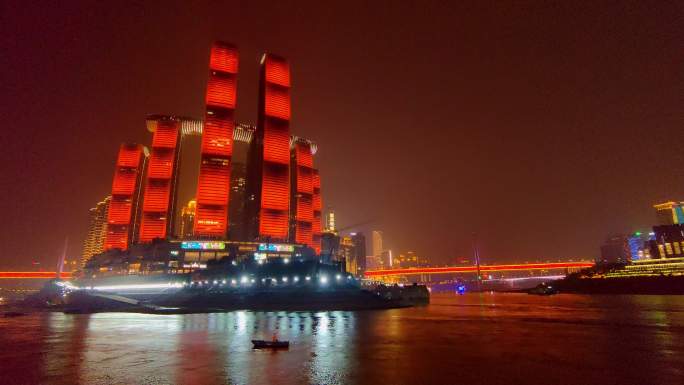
(33, 275)
(473, 269)
(369, 273)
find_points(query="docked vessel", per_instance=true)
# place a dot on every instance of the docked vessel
(222, 276)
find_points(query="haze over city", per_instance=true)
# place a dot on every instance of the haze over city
(542, 127)
(358, 192)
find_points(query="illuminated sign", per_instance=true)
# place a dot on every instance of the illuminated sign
(276, 247)
(203, 245)
(194, 265)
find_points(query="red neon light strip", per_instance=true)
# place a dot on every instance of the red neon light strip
(472, 269)
(33, 275)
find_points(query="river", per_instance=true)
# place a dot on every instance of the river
(470, 339)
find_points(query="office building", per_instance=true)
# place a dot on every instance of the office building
(359, 242)
(615, 249)
(317, 207)
(330, 246)
(330, 220)
(124, 209)
(639, 245)
(670, 213)
(243, 134)
(159, 199)
(97, 230)
(377, 243)
(255, 184)
(213, 186)
(668, 241)
(302, 190)
(187, 221)
(373, 262)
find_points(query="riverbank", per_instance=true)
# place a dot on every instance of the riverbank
(653, 285)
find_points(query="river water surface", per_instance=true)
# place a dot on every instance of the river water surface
(469, 339)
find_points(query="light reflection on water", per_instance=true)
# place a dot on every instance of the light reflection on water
(457, 339)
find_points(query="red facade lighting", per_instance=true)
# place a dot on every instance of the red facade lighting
(302, 192)
(123, 208)
(317, 206)
(273, 134)
(160, 186)
(213, 186)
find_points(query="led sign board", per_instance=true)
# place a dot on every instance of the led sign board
(276, 247)
(203, 245)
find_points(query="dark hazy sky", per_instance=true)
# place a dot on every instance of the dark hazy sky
(541, 126)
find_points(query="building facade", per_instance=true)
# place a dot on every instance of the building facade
(377, 243)
(159, 199)
(670, 213)
(213, 185)
(187, 220)
(255, 184)
(97, 230)
(668, 242)
(615, 249)
(359, 242)
(123, 217)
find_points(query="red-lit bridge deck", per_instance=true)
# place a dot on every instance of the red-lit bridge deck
(473, 269)
(33, 275)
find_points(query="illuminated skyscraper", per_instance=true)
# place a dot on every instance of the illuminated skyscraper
(270, 161)
(213, 186)
(317, 206)
(123, 215)
(330, 246)
(237, 209)
(359, 241)
(670, 213)
(330, 220)
(302, 190)
(97, 230)
(159, 201)
(254, 183)
(377, 243)
(347, 254)
(187, 222)
(668, 241)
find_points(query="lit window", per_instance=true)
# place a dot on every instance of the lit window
(661, 251)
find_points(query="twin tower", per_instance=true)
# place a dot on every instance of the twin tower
(281, 199)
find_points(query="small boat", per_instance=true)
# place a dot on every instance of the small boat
(262, 344)
(543, 289)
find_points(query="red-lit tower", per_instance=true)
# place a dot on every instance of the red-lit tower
(270, 163)
(122, 219)
(301, 200)
(213, 186)
(317, 228)
(162, 173)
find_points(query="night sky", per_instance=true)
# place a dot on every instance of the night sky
(542, 127)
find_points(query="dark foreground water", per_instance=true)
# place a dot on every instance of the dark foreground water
(471, 339)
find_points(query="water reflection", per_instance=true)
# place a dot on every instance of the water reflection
(457, 339)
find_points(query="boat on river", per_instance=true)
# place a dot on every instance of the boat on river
(275, 344)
